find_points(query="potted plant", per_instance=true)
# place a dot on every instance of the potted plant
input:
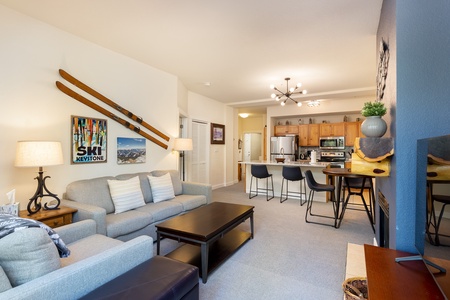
(371, 109)
(373, 125)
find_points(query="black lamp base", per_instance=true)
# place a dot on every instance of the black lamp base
(35, 202)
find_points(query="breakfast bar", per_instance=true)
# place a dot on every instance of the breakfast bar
(275, 169)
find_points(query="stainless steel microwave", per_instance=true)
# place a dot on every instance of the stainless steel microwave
(332, 143)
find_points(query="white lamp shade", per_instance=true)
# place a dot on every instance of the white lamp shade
(182, 144)
(38, 154)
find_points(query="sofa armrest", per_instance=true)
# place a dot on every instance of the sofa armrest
(88, 212)
(195, 188)
(76, 231)
(78, 279)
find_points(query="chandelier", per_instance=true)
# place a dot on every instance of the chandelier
(289, 92)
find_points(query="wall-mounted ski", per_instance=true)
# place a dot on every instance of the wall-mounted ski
(111, 103)
(107, 113)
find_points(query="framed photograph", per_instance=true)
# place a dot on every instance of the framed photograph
(131, 150)
(217, 134)
(88, 140)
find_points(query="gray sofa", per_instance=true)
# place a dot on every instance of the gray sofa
(92, 198)
(94, 260)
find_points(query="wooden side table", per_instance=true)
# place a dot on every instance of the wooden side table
(53, 218)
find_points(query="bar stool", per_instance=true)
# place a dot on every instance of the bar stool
(356, 187)
(444, 200)
(319, 187)
(260, 172)
(293, 174)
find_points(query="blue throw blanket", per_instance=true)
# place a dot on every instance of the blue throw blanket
(10, 224)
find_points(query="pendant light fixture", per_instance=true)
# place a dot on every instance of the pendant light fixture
(289, 92)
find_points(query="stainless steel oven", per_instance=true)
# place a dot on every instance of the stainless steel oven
(335, 158)
(332, 143)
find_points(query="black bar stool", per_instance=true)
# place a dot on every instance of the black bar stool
(444, 200)
(260, 172)
(356, 187)
(293, 174)
(319, 187)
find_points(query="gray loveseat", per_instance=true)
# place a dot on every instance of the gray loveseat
(92, 198)
(30, 263)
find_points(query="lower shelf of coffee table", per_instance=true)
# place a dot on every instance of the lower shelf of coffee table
(219, 251)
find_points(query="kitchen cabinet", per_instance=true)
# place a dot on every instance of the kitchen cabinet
(332, 129)
(352, 131)
(309, 134)
(281, 130)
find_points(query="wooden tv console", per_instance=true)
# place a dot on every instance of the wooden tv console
(387, 279)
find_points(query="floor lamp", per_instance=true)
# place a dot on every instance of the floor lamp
(182, 145)
(39, 154)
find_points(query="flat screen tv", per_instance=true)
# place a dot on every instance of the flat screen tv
(433, 162)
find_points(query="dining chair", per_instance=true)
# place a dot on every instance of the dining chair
(356, 187)
(444, 200)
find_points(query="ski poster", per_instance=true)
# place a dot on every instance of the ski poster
(88, 140)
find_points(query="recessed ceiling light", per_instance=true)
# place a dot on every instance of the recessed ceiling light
(207, 83)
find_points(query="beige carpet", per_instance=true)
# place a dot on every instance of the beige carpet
(288, 258)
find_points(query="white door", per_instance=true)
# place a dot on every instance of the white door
(252, 146)
(200, 154)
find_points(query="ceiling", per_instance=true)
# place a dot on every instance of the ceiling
(231, 51)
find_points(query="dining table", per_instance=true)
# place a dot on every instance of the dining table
(336, 176)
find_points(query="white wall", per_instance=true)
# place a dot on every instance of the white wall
(32, 108)
(221, 156)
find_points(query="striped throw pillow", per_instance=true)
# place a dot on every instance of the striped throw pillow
(126, 194)
(162, 188)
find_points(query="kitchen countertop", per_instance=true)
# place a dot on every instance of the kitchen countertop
(291, 163)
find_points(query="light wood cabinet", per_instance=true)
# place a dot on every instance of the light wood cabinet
(352, 131)
(314, 133)
(286, 129)
(332, 129)
(309, 134)
(303, 135)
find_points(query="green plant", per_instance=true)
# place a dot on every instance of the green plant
(373, 109)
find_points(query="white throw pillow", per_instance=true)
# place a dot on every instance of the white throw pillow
(126, 194)
(162, 188)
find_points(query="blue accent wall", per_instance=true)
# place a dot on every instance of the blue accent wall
(420, 109)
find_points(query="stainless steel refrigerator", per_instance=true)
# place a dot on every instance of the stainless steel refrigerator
(283, 144)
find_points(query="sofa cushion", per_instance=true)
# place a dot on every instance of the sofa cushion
(28, 254)
(126, 194)
(176, 181)
(162, 210)
(4, 281)
(127, 222)
(190, 202)
(89, 246)
(93, 191)
(11, 224)
(145, 185)
(162, 188)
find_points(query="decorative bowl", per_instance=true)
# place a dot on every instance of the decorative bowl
(279, 160)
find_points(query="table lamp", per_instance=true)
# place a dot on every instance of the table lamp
(182, 145)
(39, 154)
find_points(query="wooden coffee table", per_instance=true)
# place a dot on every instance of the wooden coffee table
(209, 233)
